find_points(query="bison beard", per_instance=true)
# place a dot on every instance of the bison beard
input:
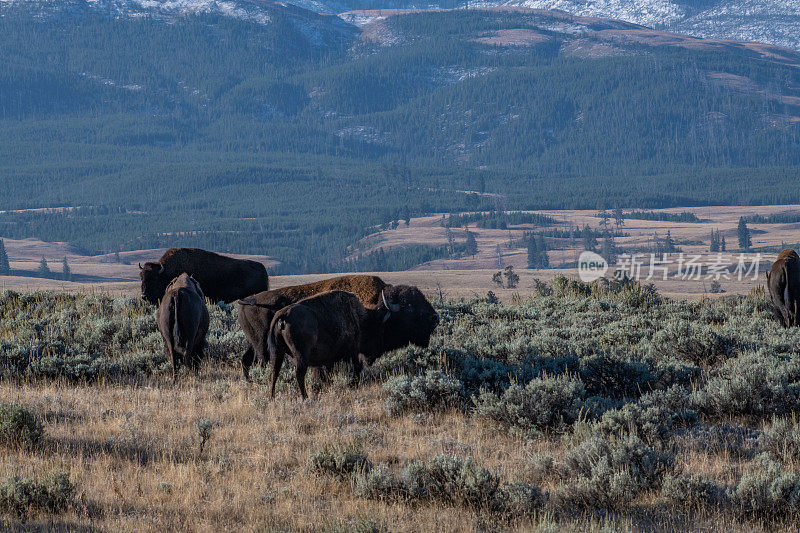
(412, 322)
(183, 320)
(222, 278)
(322, 330)
(783, 285)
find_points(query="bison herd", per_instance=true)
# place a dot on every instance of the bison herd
(348, 318)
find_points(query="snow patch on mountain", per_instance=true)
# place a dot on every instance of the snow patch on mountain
(644, 12)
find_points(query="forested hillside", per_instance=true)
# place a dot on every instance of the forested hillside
(296, 134)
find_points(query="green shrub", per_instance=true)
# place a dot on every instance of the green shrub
(697, 343)
(614, 376)
(608, 473)
(20, 496)
(652, 418)
(782, 439)
(692, 492)
(451, 480)
(767, 492)
(18, 427)
(542, 403)
(563, 286)
(339, 460)
(755, 384)
(432, 391)
(378, 483)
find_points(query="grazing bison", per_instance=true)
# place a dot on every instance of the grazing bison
(413, 322)
(222, 278)
(183, 322)
(324, 329)
(783, 284)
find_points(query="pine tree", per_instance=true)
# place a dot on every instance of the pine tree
(715, 244)
(589, 239)
(723, 245)
(497, 278)
(619, 218)
(669, 244)
(744, 235)
(511, 277)
(471, 245)
(607, 249)
(43, 270)
(65, 270)
(5, 267)
(537, 252)
(533, 251)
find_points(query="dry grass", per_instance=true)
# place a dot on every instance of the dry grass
(133, 453)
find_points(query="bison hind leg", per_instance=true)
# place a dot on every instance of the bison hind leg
(247, 361)
(300, 375)
(276, 361)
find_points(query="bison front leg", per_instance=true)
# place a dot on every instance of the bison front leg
(247, 361)
(357, 367)
(197, 357)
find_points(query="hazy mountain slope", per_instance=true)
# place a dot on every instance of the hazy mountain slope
(249, 136)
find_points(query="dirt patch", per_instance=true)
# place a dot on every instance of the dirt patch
(591, 49)
(513, 37)
(744, 84)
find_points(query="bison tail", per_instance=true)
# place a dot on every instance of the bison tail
(179, 340)
(274, 342)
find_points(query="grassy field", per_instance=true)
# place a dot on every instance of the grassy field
(583, 407)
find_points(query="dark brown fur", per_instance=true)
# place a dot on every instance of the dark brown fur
(783, 285)
(414, 322)
(321, 330)
(182, 319)
(222, 278)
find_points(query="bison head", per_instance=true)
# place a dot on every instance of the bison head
(412, 320)
(154, 281)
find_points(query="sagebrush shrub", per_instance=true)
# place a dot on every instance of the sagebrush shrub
(451, 480)
(782, 439)
(608, 473)
(339, 460)
(755, 384)
(652, 418)
(615, 376)
(18, 426)
(692, 491)
(767, 492)
(549, 402)
(431, 391)
(697, 343)
(21, 496)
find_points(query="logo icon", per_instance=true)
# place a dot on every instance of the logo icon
(591, 266)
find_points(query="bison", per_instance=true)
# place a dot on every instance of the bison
(783, 284)
(183, 322)
(222, 278)
(414, 320)
(321, 330)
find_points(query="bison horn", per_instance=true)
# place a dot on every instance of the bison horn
(162, 269)
(391, 307)
(141, 267)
